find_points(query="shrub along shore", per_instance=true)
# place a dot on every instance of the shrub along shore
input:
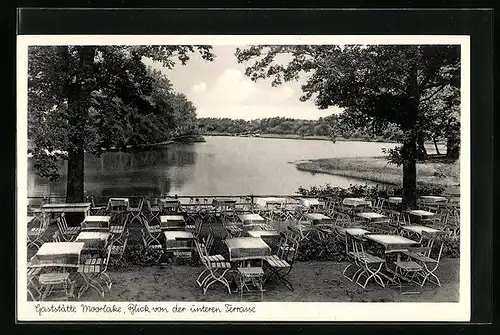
(440, 174)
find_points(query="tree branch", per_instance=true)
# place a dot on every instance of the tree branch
(440, 88)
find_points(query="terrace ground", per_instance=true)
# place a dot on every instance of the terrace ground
(313, 281)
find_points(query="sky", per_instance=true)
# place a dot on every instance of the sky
(221, 89)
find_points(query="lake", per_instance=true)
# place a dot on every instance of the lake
(222, 165)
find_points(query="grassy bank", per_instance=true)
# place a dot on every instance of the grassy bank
(376, 169)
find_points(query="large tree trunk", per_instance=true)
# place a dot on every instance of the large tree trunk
(453, 147)
(412, 141)
(78, 106)
(75, 179)
(409, 173)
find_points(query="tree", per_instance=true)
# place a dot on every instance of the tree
(382, 84)
(90, 98)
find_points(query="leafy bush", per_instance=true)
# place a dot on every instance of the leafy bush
(364, 191)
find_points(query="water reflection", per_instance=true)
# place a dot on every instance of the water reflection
(139, 173)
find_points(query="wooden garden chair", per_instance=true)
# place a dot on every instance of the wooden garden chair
(56, 282)
(136, 213)
(96, 209)
(423, 256)
(371, 264)
(251, 280)
(216, 267)
(68, 234)
(36, 233)
(280, 264)
(151, 242)
(354, 257)
(194, 226)
(93, 271)
(119, 245)
(33, 284)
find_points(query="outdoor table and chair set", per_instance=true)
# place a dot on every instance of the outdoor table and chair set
(262, 235)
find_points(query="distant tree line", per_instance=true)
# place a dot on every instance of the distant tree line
(333, 126)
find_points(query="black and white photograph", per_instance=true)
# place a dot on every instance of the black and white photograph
(224, 174)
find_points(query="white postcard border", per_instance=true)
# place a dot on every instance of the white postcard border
(264, 311)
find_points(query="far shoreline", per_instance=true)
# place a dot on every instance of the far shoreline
(376, 169)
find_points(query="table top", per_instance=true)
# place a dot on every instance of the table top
(64, 205)
(263, 202)
(169, 218)
(118, 200)
(419, 212)
(250, 217)
(432, 198)
(170, 200)
(246, 243)
(92, 235)
(60, 248)
(419, 229)
(260, 233)
(316, 216)
(174, 234)
(356, 202)
(356, 231)
(371, 215)
(309, 201)
(389, 239)
(395, 200)
(30, 218)
(97, 218)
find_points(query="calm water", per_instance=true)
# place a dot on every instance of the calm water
(220, 166)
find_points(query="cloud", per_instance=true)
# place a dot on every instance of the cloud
(200, 87)
(233, 88)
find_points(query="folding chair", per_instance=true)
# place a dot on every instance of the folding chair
(233, 228)
(216, 267)
(379, 204)
(151, 239)
(208, 240)
(251, 277)
(32, 286)
(192, 211)
(424, 257)
(136, 212)
(407, 271)
(281, 264)
(119, 245)
(195, 227)
(153, 212)
(370, 264)
(93, 271)
(35, 234)
(354, 256)
(56, 282)
(94, 209)
(68, 234)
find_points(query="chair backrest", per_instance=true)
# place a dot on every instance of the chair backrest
(430, 241)
(358, 245)
(209, 240)
(288, 248)
(202, 253)
(61, 223)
